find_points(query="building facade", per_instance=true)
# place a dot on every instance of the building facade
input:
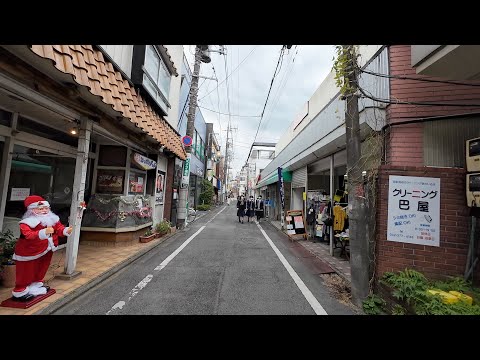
(76, 126)
(197, 161)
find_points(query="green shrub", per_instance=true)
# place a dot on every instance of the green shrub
(163, 227)
(373, 305)
(207, 193)
(411, 287)
(7, 247)
(203, 207)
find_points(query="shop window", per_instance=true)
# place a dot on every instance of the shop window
(111, 155)
(5, 118)
(35, 172)
(110, 181)
(136, 183)
(46, 132)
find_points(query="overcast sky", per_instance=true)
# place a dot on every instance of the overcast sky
(302, 70)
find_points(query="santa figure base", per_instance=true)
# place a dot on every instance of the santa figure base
(26, 304)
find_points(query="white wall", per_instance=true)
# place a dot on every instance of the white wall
(176, 52)
(321, 97)
(122, 55)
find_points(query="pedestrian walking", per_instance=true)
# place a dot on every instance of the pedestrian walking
(241, 205)
(250, 210)
(259, 207)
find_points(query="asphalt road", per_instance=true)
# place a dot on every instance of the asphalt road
(217, 266)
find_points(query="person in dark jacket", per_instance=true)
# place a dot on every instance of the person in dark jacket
(241, 205)
(250, 210)
(259, 207)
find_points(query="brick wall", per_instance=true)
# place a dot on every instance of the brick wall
(412, 90)
(405, 142)
(436, 262)
(169, 188)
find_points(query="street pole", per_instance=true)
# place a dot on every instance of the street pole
(225, 164)
(183, 193)
(359, 262)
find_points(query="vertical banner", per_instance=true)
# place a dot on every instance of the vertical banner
(282, 196)
(186, 173)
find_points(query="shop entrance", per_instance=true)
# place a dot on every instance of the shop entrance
(36, 172)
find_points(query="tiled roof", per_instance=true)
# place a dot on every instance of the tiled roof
(89, 68)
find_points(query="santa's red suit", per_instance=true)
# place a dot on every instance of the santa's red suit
(34, 248)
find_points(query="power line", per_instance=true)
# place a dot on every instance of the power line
(227, 76)
(416, 79)
(268, 95)
(253, 116)
(420, 103)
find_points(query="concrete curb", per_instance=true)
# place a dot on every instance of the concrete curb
(333, 266)
(85, 287)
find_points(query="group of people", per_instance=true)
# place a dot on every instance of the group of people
(249, 208)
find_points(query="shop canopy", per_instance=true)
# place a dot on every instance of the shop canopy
(287, 176)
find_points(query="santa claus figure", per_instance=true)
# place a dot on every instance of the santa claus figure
(39, 232)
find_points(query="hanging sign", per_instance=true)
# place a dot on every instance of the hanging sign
(186, 173)
(144, 162)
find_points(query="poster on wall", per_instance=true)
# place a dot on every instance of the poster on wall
(159, 187)
(19, 194)
(110, 181)
(414, 210)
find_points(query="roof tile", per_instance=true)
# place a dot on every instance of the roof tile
(89, 68)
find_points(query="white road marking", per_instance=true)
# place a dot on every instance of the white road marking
(142, 284)
(319, 310)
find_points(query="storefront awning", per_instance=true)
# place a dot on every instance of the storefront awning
(88, 67)
(287, 176)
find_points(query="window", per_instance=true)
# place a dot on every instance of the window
(44, 131)
(265, 154)
(254, 154)
(136, 182)
(5, 118)
(111, 155)
(156, 77)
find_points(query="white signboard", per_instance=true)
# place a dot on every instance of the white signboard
(144, 162)
(19, 194)
(414, 210)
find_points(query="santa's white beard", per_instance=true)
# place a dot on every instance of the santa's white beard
(48, 219)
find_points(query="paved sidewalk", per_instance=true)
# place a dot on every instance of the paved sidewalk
(322, 251)
(95, 262)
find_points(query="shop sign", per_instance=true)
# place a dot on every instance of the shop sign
(186, 173)
(414, 210)
(144, 162)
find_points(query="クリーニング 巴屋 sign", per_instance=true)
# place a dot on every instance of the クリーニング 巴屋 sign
(414, 210)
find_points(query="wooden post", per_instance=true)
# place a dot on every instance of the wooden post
(78, 194)
(6, 167)
(332, 189)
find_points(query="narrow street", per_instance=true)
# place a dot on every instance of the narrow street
(218, 266)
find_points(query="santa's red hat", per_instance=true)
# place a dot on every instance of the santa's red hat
(34, 201)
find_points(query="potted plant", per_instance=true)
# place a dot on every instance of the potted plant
(7, 264)
(148, 236)
(162, 228)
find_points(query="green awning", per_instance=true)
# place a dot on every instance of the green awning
(287, 176)
(22, 165)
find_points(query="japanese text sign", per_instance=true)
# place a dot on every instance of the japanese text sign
(414, 210)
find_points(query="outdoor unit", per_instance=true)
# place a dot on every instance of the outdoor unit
(473, 189)
(472, 154)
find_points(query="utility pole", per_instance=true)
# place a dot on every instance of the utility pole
(183, 193)
(225, 164)
(359, 261)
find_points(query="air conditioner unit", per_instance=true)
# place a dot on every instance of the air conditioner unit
(472, 154)
(473, 189)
